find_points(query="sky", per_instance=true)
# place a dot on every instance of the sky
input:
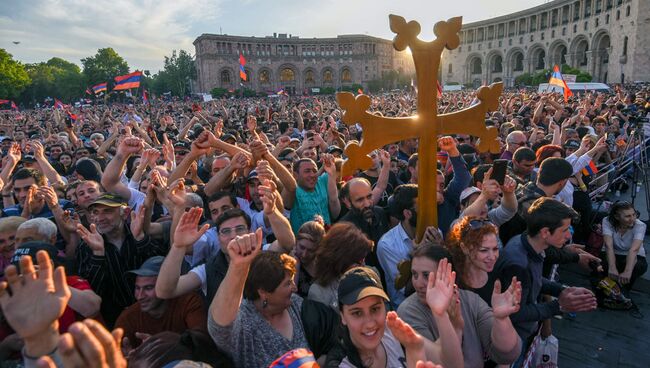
(144, 31)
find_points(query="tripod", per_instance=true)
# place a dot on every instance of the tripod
(640, 171)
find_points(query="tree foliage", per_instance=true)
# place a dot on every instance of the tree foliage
(388, 81)
(530, 79)
(105, 65)
(13, 77)
(55, 78)
(176, 75)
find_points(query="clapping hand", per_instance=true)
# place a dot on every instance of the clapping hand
(506, 303)
(92, 237)
(403, 332)
(329, 165)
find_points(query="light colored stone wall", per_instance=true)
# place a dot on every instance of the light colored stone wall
(363, 58)
(589, 33)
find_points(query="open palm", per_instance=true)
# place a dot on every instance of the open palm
(403, 332)
(37, 300)
(186, 232)
(440, 290)
(506, 303)
(92, 237)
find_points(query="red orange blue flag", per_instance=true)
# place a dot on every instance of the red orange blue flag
(557, 80)
(127, 81)
(100, 88)
(242, 63)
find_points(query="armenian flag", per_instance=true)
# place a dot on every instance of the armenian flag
(439, 89)
(127, 81)
(557, 80)
(281, 92)
(590, 169)
(100, 88)
(12, 105)
(242, 63)
(145, 97)
(58, 104)
(88, 91)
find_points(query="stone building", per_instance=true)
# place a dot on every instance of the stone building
(609, 39)
(294, 64)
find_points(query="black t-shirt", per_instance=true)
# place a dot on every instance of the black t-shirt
(390, 187)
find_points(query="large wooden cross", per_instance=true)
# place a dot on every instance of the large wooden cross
(427, 124)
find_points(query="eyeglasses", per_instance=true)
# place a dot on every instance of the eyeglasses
(477, 224)
(238, 230)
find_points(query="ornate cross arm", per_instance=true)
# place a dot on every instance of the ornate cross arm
(472, 120)
(406, 34)
(378, 131)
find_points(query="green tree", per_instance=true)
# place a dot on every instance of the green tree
(55, 78)
(177, 73)
(13, 77)
(105, 65)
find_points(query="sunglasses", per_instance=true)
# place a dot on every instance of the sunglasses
(477, 224)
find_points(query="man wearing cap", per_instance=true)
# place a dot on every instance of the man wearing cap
(109, 249)
(151, 315)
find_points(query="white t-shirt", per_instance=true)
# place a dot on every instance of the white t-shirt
(623, 243)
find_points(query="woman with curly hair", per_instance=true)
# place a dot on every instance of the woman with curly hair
(474, 249)
(343, 247)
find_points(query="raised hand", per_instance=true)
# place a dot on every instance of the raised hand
(37, 148)
(328, 164)
(206, 140)
(48, 194)
(269, 196)
(218, 128)
(423, 364)
(70, 221)
(258, 149)
(150, 157)
(37, 300)
(264, 170)
(440, 290)
(137, 223)
(186, 233)
(455, 313)
(448, 144)
(490, 189)
(14, 153)
(243, 248)
(506, 303)
(403, 332)
(239, 161)
(509, 185)
(251, 123)
(130, 145)
(176, 193)
(92, 238)
(88, 344)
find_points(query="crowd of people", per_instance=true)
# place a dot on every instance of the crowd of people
(223, 234)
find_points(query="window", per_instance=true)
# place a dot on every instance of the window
(541, 36)
(599, 6)
(450, 68)
(309, 76)
(327, 76)
(576, 11)
(346, 76)
(609, 4)
(627, 11)
(500, 43)
(597, 22)
(575, 28)
(287, 75)
(564, 31)
(625, 46)
(264, 77)
(519, 62)
(618, 14)
(607, 19)
(586, 26)
(225, 77)
(587, 8)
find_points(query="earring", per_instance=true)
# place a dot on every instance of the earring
(265, 303)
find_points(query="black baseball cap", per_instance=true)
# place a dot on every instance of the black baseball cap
(572, 143)
(359, 283)
(334, 148)
(109, 200)
(31, 248)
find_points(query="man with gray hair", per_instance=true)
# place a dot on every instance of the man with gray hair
(37, 229)
(514, 140)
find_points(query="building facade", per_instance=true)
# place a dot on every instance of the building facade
(294, 64)
(609, 39)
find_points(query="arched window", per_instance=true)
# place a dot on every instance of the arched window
(346, 76)
(264, 77)
(327, 76)
(225, 77)
(519, 62)
(476, 66)
(309, 76)
(287, 75)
